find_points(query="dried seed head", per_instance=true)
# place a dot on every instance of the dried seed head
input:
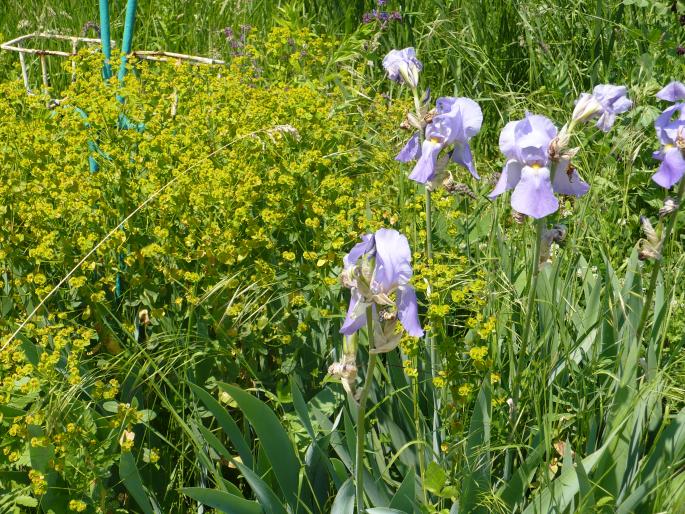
(670, 206)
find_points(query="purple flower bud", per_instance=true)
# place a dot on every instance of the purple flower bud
(680, 50)
(605, 102)
(403, 66)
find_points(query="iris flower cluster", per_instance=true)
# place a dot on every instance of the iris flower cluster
(538, 158)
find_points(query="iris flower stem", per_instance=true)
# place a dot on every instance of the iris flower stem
(430, 341)
(361, 413)
(646, 306)
(530, 306)
(532, 285)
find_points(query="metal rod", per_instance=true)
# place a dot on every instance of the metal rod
(24, 73)
(44, 71)
(73, 61)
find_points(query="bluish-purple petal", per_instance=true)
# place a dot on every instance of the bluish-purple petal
(411, 151)
(671, 170)
(408, 311)
(424, 170)
(366, 246)
(393, 260)
(606, 121)
(566, 183)
(462, 155)
(511, 174)
(356, 315)
(673, 92)
(533, 195)
(670, 123)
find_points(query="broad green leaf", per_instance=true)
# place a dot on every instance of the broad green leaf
(514, 491)
(274, 440)
(225, 502)
(344, 500)
(128, 472)
(226, 422)
(265, 495)
(477, 472)
(406, 494)
(384, 510)
(559, 493)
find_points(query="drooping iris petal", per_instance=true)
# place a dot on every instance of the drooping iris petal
(356, 314)
(606, 121)
(462, 155)
(408, 311)
(566, 183)
(533, 195)
(511, 174)
(403, 66)
(393, 259)
(672, 168)
(424, 170)
(673, 92)
(411, 151)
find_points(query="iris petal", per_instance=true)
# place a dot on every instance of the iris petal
(533, 195)
(671, 170)
(408, 311)
(511, 174)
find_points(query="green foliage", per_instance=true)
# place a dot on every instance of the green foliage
(183, 361)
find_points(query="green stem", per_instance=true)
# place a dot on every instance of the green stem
(361, 413)
(532, 285)
(657, 266)
(430, 341)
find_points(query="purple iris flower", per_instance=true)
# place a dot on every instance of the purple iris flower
(376, 268)
(456, 122)
(527, 171)
(605, 102)
(670, 129)
(403, 66)
(673, 92)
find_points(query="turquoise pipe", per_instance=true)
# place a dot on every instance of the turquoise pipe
(105, 38)
(128, 36)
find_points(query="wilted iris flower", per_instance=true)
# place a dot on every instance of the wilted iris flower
(378, 271)
(670, 129)
(403, 66)
(530, 172)
(456, 121)
(605, 102)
